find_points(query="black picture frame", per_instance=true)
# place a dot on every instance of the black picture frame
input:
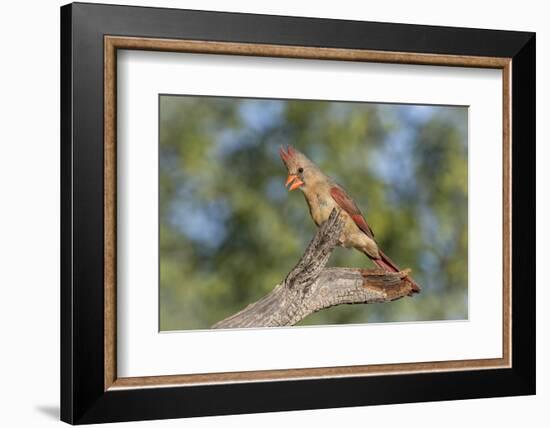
(83, 398)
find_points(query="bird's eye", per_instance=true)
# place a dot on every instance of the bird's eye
(300, 170)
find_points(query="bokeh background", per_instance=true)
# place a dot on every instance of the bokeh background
(229, 230)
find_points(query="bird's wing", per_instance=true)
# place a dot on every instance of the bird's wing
(349, 206)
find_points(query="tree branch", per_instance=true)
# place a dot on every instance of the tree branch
(310, 286)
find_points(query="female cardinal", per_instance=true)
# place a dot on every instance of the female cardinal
(323, 195)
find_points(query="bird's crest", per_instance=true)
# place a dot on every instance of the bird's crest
(293, 157)
(288, 155)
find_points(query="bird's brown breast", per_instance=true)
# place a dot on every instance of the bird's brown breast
(320, 207)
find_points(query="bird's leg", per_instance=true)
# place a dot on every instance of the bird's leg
(341, 241)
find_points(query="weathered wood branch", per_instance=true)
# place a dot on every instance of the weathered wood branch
(311, 286)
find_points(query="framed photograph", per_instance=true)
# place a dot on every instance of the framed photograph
(265, 213)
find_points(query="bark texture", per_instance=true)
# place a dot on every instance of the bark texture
(311, 286)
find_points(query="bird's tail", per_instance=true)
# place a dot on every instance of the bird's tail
(387, 264)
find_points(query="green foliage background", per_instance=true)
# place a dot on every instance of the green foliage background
(229, 231)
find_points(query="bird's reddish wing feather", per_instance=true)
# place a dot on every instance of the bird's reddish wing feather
(349, 206)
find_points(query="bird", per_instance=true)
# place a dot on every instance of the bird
(322, 195)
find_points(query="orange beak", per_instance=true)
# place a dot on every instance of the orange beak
(293, 182)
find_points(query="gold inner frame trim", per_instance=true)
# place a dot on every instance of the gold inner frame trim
(113, 43)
